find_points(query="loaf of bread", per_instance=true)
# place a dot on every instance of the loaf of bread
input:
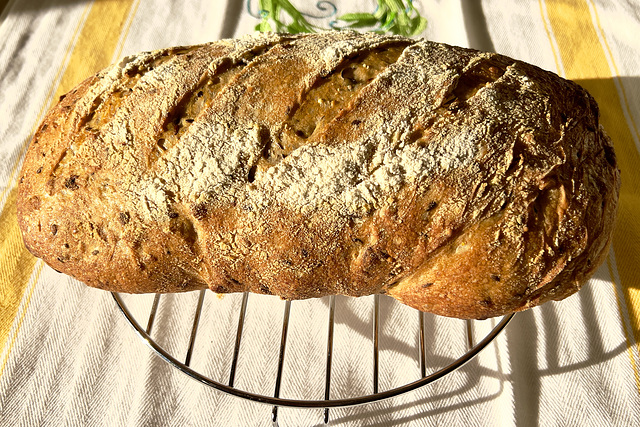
(461, 183)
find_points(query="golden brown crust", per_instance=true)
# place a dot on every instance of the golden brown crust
(461, 183)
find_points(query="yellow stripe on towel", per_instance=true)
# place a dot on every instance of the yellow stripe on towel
(94, 50)
(584, 55)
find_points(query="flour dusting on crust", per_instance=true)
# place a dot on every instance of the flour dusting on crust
(352, 177)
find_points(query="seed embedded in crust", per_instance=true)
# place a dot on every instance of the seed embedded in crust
(200, 211)
(124, 218)
(71, 183)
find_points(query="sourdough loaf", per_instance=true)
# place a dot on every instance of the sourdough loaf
(461, 183)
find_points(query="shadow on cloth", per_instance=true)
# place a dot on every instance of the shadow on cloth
(528, 342)
(30, 6)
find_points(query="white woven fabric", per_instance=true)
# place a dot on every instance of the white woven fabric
(69, 357)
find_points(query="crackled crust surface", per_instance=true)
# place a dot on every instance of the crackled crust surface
(462, 183)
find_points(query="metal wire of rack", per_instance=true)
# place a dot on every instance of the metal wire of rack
(327, 402)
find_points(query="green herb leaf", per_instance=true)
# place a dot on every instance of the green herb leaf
(393, 16)
(295, 28)
(418, 25)
(359, 20)
(263, 27)
(353, 17)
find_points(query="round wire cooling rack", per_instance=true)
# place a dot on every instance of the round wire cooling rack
(426, 377)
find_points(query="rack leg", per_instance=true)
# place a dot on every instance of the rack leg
(376, 334)
(236, 348)
(327, 385)
(283, 344)
(194, 329)
(152, 314)
(469, 334)
(423, 361)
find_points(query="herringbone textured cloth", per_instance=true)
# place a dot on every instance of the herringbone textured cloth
(68, 356)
